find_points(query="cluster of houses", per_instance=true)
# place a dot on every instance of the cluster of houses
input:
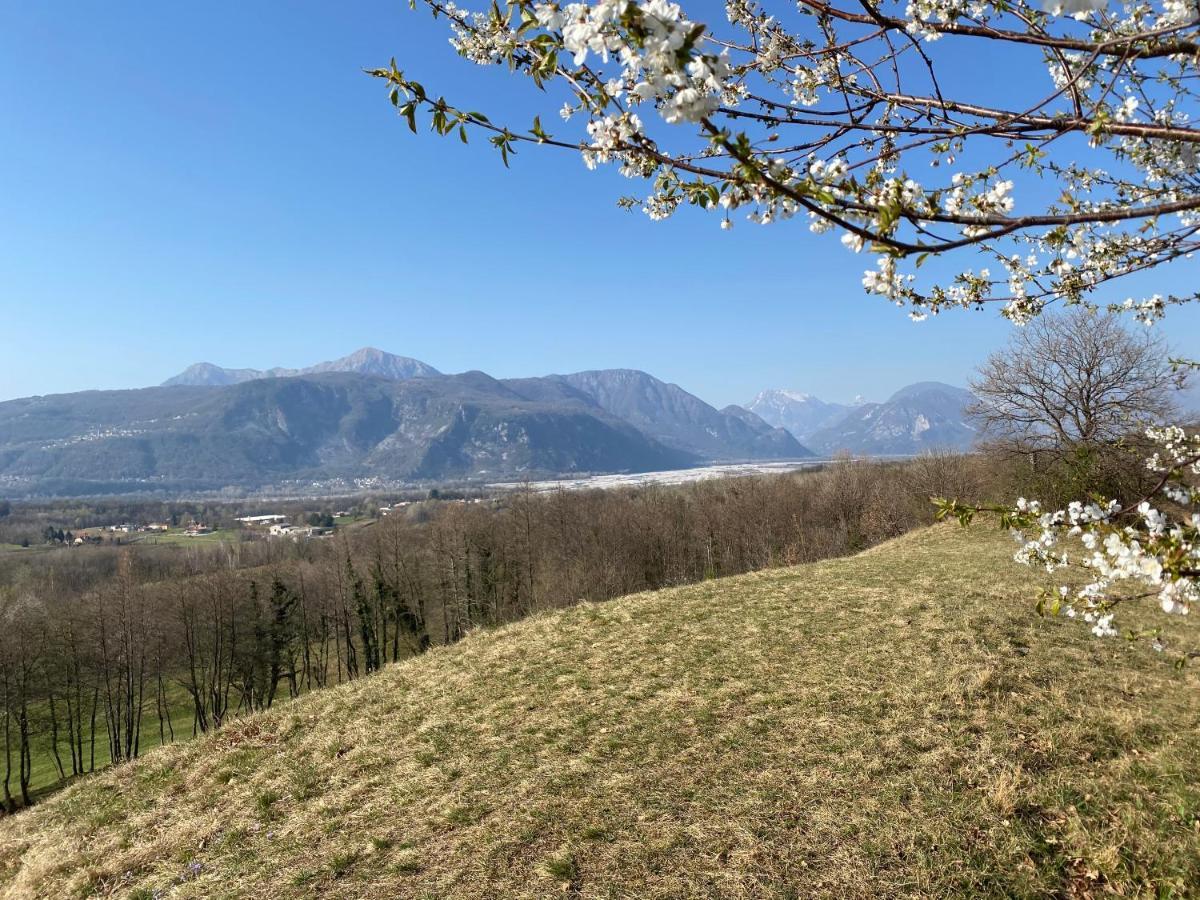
(274, 525)
(194, 529)
(127, 528)
(96, 535)
(281, 526)
(263, 521)
(399, 505)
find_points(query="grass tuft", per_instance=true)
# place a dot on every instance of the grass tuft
(341, 863)
(561, 867)
(264, 803)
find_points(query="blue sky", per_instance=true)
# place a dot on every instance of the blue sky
(222, 182)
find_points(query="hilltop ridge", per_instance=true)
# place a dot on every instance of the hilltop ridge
(366, 361)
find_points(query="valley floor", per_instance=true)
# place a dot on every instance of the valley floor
(894, 724)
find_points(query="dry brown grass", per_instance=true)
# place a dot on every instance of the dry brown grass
(896, 724)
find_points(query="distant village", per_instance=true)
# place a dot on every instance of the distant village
(270, 525)
(210, 522)
(281, 526)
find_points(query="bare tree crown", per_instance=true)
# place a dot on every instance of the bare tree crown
(1073, 379)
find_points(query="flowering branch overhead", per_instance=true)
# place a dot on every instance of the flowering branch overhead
(863, 118)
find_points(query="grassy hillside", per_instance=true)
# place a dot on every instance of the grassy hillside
(892, 724)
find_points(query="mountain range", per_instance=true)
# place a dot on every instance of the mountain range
(370, 415)
(672, 416)
(924, 416)
(373, 417)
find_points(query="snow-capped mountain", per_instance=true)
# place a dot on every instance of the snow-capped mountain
(801, 414)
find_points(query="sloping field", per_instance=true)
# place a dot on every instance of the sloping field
(896, 724)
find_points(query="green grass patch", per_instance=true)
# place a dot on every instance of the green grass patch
(44, 775)
(181, 537)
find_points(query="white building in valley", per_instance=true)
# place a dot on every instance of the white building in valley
(263, 520)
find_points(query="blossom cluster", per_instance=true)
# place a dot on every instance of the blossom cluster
(996, 198)
(922, 15)
(657, 47)
(1146, 550)
(480, 37)
(609, 135)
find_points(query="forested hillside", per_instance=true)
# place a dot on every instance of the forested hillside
(218, 628)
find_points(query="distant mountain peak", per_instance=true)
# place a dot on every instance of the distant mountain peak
(206, 373)
(365, 361)
(799, 413)
(784, 394)
(371, 361)
(922, 416)
(929, 387)
(368, 355)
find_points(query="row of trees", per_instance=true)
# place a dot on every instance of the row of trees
(93, 667)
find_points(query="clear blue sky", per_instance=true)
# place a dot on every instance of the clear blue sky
(221, 182)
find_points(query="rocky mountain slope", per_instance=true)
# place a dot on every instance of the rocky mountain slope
(924, 416)
(680, 420)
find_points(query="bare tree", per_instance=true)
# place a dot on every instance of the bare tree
(1069, 390)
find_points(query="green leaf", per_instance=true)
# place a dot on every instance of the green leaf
(409, 111)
